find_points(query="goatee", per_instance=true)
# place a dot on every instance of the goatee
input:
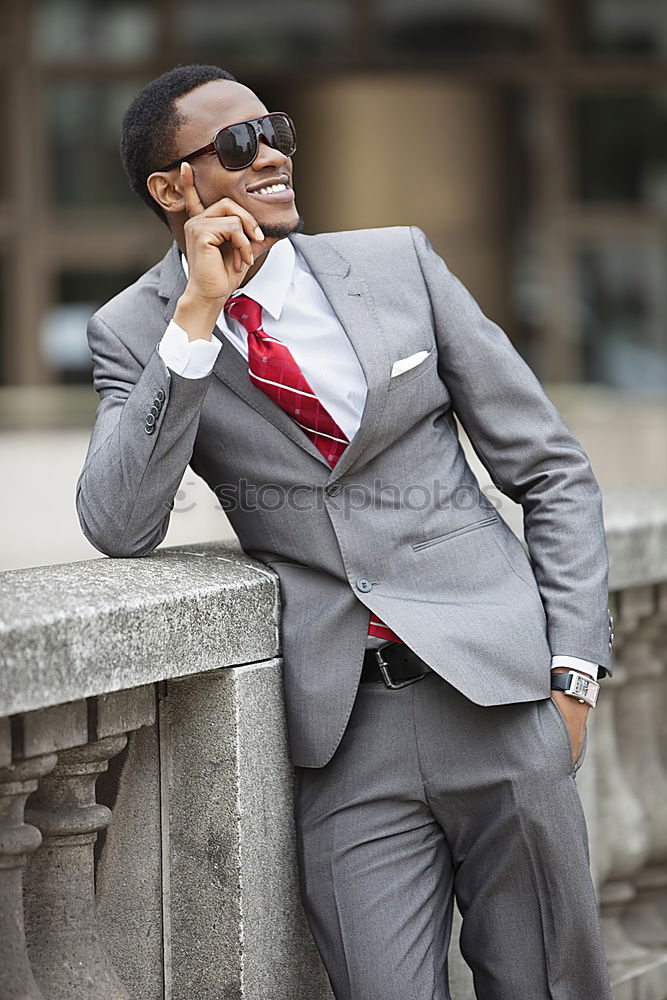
(280, 232)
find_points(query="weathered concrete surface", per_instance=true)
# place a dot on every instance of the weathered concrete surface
(123, 711)
(636, 526)
(18, 839)
(64, 945)
(5, 743)
(68, 632)
(237, 926)
(643, 981)
(129, 872)
(233, 924)
(55, 728)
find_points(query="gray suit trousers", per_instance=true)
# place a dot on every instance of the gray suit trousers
(428, 797)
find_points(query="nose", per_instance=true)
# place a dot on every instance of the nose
(267, 156)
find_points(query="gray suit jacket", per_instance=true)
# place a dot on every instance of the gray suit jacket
(399, 526)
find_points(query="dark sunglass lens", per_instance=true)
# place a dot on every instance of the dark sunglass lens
(279, 134)
(236, 146)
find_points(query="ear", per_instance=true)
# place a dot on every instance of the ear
(165, 188)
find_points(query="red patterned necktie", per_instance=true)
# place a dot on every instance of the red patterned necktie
(272, 369)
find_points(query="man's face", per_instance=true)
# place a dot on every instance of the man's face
(211, 107)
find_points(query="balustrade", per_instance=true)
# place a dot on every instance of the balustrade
(207, 904)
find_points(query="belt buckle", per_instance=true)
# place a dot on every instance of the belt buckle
(386, 676)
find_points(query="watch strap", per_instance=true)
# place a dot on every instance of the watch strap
(577, 685)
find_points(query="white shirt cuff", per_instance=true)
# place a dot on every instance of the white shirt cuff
(574, 663)
(185, 357)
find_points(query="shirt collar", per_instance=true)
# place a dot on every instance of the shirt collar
(270, 285)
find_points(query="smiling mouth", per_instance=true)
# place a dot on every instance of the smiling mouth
(273, 193)
(276, 188)
(270, 189)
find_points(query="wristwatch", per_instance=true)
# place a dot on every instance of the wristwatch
(578, 686)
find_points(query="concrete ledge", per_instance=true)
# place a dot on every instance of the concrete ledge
(237, 927)
(636, 526)
(80, 629)
(641, 981)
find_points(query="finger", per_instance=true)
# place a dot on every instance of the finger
(240, 242)
(238, 239)
(228, 207)
(219, 231)
(193, 203)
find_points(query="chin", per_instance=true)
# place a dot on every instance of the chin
(279, 230)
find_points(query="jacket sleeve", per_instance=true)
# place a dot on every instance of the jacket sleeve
(532, 457)
(142, 441)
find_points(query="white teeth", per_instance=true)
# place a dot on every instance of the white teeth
(272, 189)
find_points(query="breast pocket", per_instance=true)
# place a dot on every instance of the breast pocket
(416, 371)
(462, 530)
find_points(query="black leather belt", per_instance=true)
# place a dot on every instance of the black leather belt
(395, 664)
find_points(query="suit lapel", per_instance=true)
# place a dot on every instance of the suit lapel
(230, 367)
(351, 302)
(172, 280)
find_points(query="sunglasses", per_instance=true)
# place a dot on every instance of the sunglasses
(237, 145)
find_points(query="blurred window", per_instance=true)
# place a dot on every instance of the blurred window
(94, 31)
(83, 127)
(622, 148)
(4, 318)
(636, 27)
(265, 34)
(63, 340)
(424, 28)
(622, 312)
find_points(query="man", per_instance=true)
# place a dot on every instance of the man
(418, 638)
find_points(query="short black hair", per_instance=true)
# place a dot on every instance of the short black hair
(150, 123)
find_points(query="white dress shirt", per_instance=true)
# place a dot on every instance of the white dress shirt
(296, 311)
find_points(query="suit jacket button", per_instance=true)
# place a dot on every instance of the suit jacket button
(159, 395)
(149, 428)
(150, 420)
(364, 585)
(333, 490)
(155, 410)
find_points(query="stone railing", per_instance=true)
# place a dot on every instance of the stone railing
(150, 690)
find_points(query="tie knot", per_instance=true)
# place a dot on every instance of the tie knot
(246, 311)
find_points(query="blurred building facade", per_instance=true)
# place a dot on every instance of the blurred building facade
(528, 138)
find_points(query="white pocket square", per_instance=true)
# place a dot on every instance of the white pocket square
(405, 364)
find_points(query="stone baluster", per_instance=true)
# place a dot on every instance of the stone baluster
(638, 724)
(661, 601)
(624, 847)
(65, 943)
(66, 954)
(660, 705)
(17, 840)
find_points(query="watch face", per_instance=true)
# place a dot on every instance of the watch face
(579, 686)
(583, 687)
